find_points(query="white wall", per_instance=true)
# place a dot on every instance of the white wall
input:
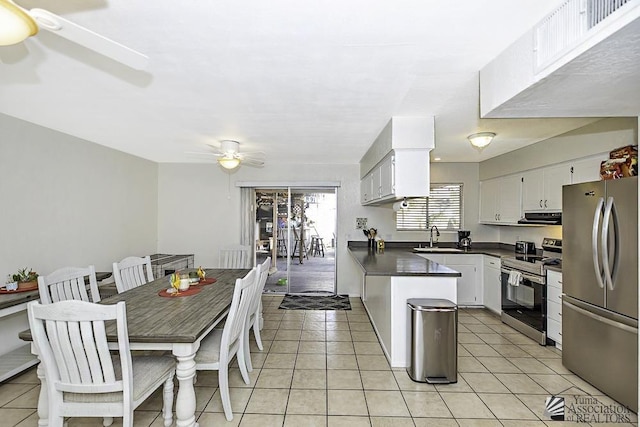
(68, 202)
(199, 209)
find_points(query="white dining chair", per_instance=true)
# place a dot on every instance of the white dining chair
(83, 377)
(236, 256)
(254, 315)
(132, 272)
(219, 347)
(68, 283)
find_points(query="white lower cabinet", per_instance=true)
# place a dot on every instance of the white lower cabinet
(492, 284)
(469, 289)
(554, 307)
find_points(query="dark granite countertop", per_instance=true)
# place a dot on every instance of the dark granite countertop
(398, 262)
(399, 258)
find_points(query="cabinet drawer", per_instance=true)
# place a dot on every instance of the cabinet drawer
(554, 279)
(491, 262)
(554, 330)
(554, 295)
(554, 311)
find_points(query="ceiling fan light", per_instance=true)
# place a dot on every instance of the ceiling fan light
(15, 24)
(481, 139)
(229, 162)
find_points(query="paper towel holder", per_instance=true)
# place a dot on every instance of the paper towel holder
(401, 205)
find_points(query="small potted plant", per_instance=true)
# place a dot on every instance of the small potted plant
(25, 279)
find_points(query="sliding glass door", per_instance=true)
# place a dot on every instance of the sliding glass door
(296, 227)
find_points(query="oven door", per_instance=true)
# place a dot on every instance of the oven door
(526, 302)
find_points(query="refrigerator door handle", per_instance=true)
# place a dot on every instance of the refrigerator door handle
(609, 271)
(594, 242)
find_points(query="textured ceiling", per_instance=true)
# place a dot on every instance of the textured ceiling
(304, 82)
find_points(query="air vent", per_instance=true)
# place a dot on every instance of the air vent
(565, 27)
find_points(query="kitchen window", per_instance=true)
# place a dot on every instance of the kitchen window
(443, 208)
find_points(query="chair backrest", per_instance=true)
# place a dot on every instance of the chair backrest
(130, 272)
(234, 256)
(263, 273)
(234, 325)
(69, 284)
(72, 344)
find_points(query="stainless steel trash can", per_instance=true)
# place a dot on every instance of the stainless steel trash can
(434, 340)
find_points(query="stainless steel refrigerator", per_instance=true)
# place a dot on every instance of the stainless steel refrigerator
(600, 285)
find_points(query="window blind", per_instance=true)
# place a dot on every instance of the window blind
(443, 208)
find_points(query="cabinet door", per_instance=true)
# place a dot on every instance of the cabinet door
(387, 177)
(491, 284)
(554, 178)
(467, 293)
(489, 191)
(375, 183)
(510, 201)
(587, 169)
(365, 190)
(532, 191)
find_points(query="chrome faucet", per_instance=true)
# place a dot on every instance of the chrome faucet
(431, 235)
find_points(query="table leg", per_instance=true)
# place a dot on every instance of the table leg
(43, 398)
(186, 398)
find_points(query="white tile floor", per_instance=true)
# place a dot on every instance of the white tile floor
(327, 369)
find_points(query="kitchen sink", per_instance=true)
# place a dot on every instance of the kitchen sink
(437, 250)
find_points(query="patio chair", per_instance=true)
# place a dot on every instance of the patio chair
(69, 284)
(254, 315)
(218, 348)
(83, 378)
(132, 272)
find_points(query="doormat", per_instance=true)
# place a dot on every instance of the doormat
(315, 302)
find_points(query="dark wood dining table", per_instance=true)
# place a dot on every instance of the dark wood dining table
(175, 324)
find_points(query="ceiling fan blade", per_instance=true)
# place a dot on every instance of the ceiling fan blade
(87, 38)
(216, 149)
(203, 153)
(257, 154)
(252, 162)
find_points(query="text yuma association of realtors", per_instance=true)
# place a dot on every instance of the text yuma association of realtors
(586, 409)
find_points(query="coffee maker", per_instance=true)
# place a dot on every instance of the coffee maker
(464, 241)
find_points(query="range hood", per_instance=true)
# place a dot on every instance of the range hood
(542, 218)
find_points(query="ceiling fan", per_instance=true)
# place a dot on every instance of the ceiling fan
(17, 24)
(230, 157)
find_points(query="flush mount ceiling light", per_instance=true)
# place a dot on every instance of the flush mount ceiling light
(481, 139)
(15, 24)
(229, 162)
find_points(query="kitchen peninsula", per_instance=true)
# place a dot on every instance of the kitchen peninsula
(389, 279)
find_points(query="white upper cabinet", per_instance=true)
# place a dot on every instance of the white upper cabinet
(554, 178)
(532, 190)
(387, 176)
(587, 169)
(500, 200)
(397, 163)
(366, 189)
(542, 188)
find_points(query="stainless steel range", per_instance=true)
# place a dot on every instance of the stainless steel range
(524, 290)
